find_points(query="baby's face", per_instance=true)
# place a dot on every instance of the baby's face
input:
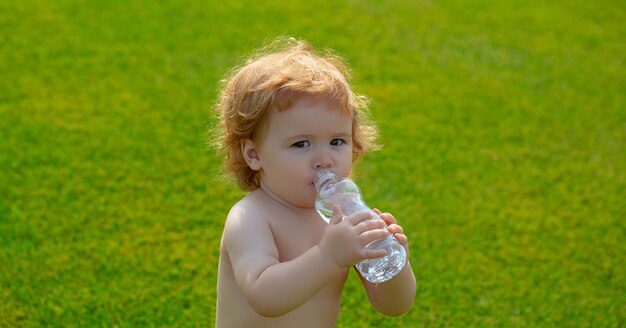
(311, 135)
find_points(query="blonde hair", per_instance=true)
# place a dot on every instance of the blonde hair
(272, 78)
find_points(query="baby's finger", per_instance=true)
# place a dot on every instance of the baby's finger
(394, 228)
(367, 225)
(337, 215)
(401, 238)
(373, 235)
(372, 253)
(358, 217)
(388, 218)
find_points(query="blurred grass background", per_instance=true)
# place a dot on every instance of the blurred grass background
(504, 125)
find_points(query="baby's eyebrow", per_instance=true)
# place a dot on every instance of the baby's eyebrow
(341, 134)
(300, 137)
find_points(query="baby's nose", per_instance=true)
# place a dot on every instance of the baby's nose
(324, 161)
(323, 165)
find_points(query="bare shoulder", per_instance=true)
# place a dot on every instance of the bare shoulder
(249, 210)
(247, 229)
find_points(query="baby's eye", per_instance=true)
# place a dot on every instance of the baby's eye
(301, 144)
(337, 142)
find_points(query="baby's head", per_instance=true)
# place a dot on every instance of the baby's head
(271, 80)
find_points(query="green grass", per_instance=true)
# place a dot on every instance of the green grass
(504, 125)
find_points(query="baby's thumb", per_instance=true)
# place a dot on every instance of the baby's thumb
(337, 215)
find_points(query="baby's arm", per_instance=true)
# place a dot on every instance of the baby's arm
(273, 288)
(396, 296)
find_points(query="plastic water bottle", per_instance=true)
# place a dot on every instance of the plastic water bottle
(330, 191)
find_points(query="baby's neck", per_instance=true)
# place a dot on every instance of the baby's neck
(282, 202)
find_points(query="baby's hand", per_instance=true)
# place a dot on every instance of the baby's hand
(345, 238)
(394, 228)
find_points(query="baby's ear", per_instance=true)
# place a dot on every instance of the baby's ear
(250, 154)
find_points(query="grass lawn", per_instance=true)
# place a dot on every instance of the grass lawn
(504, 124)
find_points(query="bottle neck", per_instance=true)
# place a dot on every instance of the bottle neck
(323, 179)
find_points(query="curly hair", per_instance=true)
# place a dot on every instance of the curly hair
(271, 79)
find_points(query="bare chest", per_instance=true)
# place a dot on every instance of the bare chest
(295, 234)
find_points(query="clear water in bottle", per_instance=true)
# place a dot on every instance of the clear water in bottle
(330, 191)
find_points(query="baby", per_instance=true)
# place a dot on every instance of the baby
(286, 114)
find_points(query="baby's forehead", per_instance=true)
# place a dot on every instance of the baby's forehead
(305, 114)
(289, 111)
(303, 100)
